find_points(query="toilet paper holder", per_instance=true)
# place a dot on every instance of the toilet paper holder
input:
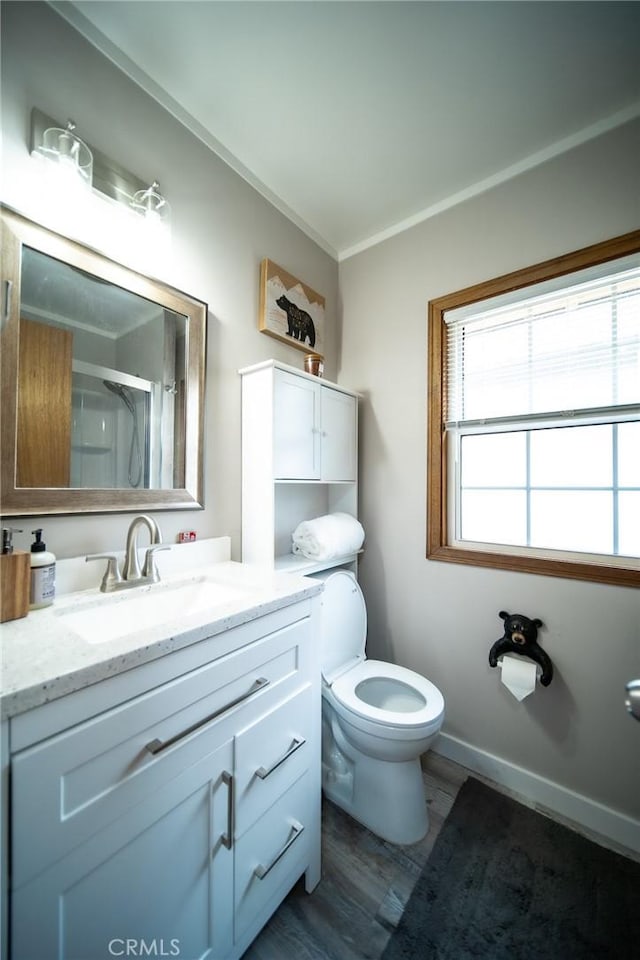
(521, 637)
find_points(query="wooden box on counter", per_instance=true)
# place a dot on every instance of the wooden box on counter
(15, 584)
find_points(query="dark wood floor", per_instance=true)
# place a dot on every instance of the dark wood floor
(365, 884)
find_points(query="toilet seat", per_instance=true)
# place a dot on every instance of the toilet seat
(399, 685)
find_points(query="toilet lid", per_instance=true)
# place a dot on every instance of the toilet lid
(343, 624)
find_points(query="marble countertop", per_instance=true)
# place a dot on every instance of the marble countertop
(42, 659)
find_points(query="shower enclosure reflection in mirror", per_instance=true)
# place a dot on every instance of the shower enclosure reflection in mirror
(103, 375)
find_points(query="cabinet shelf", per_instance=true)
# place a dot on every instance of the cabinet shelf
(290, 480)
(293, 563)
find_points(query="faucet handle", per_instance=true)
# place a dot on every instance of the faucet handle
(150, 570)
(112, 574)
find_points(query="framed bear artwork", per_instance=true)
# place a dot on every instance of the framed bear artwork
(290, 310)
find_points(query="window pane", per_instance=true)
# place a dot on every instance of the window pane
(572, 457)
(629, 454)
(483, 399)
(493, 460)
(571, 389)
(571, 355)
(489, 385)
(629, 524)
(492, 516)
(586, 326)
(572, 520)
(629, 380)
(628, 341)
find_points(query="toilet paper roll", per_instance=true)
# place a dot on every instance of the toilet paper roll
(518, 675)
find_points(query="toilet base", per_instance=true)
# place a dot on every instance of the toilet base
(389, 802)
(385, 796)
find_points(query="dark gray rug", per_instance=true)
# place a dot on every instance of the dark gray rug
(506, 883)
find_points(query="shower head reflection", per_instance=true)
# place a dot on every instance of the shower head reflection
(135, 455)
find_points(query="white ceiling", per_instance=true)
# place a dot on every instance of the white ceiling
(359, 119)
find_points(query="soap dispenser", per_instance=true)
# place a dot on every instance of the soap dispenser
(43, 573)
(14, 578)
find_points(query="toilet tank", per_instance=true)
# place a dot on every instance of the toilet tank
(343, 623)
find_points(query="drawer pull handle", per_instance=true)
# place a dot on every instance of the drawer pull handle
(264, 773)
(227, 838)
(296, 830)
(157, 746)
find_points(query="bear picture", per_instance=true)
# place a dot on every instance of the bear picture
(290, 310)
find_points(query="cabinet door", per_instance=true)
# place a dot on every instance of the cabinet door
(339, 440)
(159, 879)
(296, 435)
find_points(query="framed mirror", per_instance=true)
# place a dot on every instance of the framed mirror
(103, 374)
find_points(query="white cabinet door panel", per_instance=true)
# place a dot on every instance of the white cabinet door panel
(161, 873)
(338, 433)
(296, 436)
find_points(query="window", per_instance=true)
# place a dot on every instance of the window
(534, 418)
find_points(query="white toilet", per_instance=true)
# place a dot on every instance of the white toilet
(377, 720)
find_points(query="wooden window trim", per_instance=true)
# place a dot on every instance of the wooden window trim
(438, 545)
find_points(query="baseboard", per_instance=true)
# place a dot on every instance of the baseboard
(610, 827)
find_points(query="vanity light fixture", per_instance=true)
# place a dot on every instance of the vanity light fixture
(151, 205)
(71, 154)
(107, 177)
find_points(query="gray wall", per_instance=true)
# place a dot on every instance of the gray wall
(222, 229)
(441, 618)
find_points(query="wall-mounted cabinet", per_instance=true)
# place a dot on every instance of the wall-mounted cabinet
(299, 460)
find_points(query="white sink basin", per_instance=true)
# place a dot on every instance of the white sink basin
(121, 614)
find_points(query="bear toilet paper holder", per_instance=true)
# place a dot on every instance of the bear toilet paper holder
(521, 636)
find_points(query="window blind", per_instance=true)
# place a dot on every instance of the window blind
(567, 346)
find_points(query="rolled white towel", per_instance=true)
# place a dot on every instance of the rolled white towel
(325, 538)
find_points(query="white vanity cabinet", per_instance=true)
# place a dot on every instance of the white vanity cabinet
(175, 804)
(299, 459)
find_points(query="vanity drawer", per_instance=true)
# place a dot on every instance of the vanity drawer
(271, 754)
(273, 854)
(65, 789)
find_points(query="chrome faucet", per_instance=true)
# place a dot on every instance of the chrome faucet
(131, 575)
